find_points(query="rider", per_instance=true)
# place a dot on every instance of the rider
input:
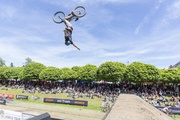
(166, 109)
(68, 33)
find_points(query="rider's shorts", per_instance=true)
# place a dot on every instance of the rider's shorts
(68, 39)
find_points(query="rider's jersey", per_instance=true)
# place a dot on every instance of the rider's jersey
(68, 39)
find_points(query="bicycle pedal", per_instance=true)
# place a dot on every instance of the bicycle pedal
(76, 19)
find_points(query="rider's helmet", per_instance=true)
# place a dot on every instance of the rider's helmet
(67, 43)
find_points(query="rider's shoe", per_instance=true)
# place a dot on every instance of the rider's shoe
(76, 19)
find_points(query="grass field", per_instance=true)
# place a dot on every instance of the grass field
(175, 117)
(93, 104)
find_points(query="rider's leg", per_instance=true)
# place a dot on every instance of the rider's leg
(65, 32)
(68, 24)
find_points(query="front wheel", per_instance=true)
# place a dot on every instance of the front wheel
(58, 16)
(80, 11)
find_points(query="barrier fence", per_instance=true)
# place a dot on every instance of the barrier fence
(2, 102)
(66, 101)
(13, 115)
(172, 110)
(10, 96)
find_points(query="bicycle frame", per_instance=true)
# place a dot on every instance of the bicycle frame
(71, 17)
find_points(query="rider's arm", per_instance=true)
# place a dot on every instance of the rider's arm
(76, 46)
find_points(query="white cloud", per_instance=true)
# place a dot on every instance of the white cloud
(164, 57)
(93, 2)
(147, 17)
(174, 11)
(134, 51)
(171, 14)
(7, 12)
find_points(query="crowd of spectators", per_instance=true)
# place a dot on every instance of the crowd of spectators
(74, 89)
(158, 94)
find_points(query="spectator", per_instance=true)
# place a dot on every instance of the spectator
(166, 110)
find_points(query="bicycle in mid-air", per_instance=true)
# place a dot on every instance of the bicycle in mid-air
(77, 13)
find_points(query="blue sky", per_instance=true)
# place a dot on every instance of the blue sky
(146, 31)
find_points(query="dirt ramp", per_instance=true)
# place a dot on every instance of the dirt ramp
(132, 107)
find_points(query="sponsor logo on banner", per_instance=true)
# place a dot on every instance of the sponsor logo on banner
(21, 97)
(12, 115)
(3, 102)
(66, 101)
(11, 96)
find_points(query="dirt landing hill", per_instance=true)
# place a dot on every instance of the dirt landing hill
(131, 107)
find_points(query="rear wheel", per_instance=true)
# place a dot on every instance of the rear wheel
(79, 11)
(58, 16)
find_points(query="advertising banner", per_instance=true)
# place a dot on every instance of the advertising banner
(172, 110)
(13, 115)
(11, 96)
(3, 102)
(66, 101)
(21, 97)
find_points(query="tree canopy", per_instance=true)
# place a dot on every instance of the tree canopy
(140, 72)
(50, 73)
(88, 72)
(170, 75)
(136, 72)
(111, 71)
(68, 74)
(2, 62)
(32, 70)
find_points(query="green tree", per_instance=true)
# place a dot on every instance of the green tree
(88, 72)
(170, 75)
(11, 65)
(68, 74)
(2, 62)
(139, 72)
(77, 69)
(111, 71)
(28, 61)
(21, 74)
(16, 72)
(136, 72)
(7, 73)
(152, 73)
(32, 70)
(2, 69)
(50, 73)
